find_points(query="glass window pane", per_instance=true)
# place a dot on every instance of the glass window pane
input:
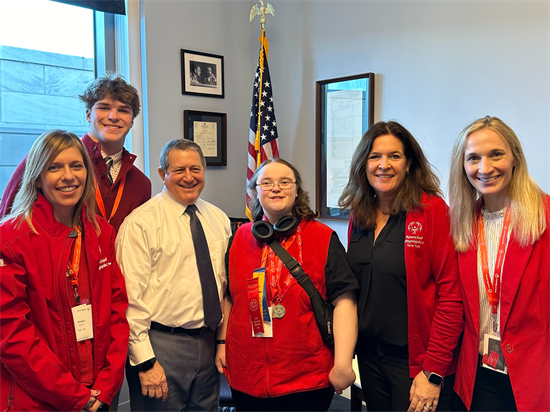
(46, 60)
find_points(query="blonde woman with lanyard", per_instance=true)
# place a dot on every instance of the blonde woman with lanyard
(64, 334)
(499, 220)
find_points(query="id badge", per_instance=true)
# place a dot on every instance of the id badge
(493, 357)
(83, 326)
(268, 327)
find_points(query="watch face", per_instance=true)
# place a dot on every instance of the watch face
(435, 379)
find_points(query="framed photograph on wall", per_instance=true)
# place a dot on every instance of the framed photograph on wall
(344, 112)
(202, 74)
(209, 131)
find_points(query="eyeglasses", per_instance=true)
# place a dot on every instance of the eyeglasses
(283, 185)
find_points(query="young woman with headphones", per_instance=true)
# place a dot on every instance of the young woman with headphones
(273, 354)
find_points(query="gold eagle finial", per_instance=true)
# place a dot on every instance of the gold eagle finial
(261, 10)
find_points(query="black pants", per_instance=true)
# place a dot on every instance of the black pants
(385, 379)
(316, 400)
(492, 392)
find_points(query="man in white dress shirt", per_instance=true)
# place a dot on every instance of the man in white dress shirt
(172, 328)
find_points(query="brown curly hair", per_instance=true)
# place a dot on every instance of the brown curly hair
(114, 86)
(300, 209)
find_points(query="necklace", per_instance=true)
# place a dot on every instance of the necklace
(383, 217)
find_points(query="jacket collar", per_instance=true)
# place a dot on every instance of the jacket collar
(42, 214)
(94, 151)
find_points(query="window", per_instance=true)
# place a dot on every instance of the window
(49, 52)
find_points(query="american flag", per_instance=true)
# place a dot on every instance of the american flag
(263, 143)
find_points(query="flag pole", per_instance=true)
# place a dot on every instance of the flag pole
(261, 10)
(263, 138)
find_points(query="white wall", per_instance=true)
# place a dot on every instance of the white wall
(439, 65)
(217, 27)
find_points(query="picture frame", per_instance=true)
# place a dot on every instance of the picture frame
(202, 74)
(344, 112)
(209, 131)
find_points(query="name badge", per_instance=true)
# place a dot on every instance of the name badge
(83, 325)
(493, 357)
(268, 327)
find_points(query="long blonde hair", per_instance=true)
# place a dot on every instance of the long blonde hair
(43, 152)
(526, 198)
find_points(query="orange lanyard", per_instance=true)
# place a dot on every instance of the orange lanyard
(273, 266)
(100, 203)
(493, 288)
(73, 267)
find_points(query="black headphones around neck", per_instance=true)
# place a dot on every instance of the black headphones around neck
(265, 232)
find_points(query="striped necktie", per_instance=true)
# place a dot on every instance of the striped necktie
(109, 163)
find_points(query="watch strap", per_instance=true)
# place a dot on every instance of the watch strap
(434, 378)
(148, 364)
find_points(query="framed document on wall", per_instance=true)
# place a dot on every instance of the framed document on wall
(202, 74)
(209, 131)
(345, 111)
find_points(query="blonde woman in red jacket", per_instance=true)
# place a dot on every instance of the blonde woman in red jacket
(64, 334)
(500, 221)
(400, 249)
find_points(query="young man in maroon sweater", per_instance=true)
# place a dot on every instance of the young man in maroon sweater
(111, 107)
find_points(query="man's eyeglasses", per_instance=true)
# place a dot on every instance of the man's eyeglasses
(283, 185)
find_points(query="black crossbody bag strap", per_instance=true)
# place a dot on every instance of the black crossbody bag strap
(323, 310)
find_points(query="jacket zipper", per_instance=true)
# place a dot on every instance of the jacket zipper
(10, 399)
(65, 296)
(267, 363)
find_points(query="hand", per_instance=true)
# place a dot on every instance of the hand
(93, 399)
(220, 358)
(423, 393)
(341, 379)
(97, 404)
(153, 382)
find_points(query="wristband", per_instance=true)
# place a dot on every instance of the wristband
(220, 342)
(148, 364)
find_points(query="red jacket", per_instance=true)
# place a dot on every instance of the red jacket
(38, 351)
(524, 317)
(137, 189)
(434, 303)
(295, 359)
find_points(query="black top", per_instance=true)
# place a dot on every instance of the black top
(380, 270)
(339, 278)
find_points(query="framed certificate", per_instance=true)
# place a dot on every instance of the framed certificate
(209, 131)
(345, 111)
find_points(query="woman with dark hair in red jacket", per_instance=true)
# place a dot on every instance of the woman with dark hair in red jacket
(64, 334)
(400, 249)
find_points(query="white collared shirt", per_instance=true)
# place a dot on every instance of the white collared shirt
(154, 249)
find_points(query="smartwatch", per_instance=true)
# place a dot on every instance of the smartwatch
(434, 378)
(148, 364)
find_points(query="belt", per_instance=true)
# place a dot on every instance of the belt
(178, 331)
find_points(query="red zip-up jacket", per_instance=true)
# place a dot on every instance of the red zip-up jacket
(38, 348)
(137, 188)
(434, 301)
